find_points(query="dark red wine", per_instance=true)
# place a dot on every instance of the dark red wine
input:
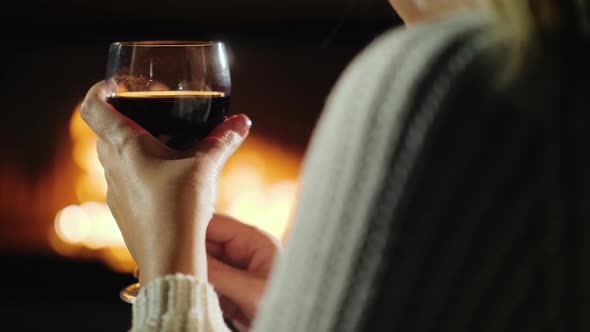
(178, 118)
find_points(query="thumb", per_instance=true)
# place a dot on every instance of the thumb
(224, 139)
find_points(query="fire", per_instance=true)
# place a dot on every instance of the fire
(90, 225)
(257, 186)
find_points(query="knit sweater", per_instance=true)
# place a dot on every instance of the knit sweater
(346, 163)
(373, 246)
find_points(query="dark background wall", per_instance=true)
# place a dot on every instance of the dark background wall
(198, 11)
(285, 57)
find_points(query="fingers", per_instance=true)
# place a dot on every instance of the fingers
(241, 325)
(223, 229)
(234, 313)
(105, 121)
(240, 287)
(219, 145)
(244, 246)
(117, 130)
(230, 309)
(214, 249)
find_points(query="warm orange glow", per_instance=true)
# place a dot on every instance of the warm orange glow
(90, 227)
(72, 224)
(257, 186)
(91, 186)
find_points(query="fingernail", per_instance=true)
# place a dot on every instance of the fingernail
(241, 124)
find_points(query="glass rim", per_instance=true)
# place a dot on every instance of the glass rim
(166, 43)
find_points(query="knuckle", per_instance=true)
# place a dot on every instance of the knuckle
(87, 107)
(112, 153)
(229, 139)
(124, 144)
(224, 144)
(120, 137)
(89, 103)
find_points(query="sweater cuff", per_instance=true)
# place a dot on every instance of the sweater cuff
(178, 303)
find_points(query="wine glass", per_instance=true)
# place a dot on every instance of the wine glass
(177, 90)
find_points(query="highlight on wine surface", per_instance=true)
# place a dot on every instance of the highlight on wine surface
(177, 91)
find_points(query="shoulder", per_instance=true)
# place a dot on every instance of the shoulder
(406, 54)
(380, 85)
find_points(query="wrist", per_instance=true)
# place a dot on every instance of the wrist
(186, 257)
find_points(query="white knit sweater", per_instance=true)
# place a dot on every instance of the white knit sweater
(346, 163)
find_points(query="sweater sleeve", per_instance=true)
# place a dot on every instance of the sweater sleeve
(345, 167)
(178, 303)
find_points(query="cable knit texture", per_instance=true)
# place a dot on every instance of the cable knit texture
(178, 303)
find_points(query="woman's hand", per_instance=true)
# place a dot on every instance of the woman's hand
(240, 260)
(162, 199)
